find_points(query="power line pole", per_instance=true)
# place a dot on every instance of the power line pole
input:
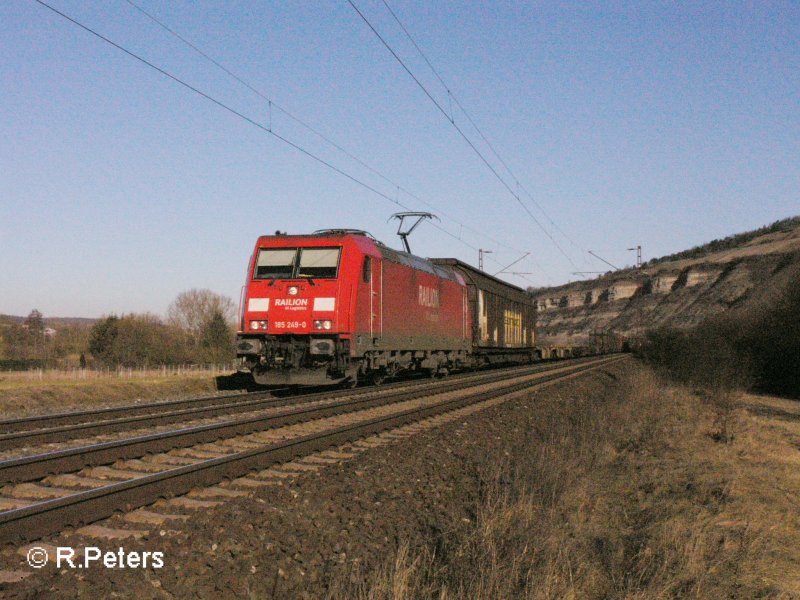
(638, 256)
(481, 252)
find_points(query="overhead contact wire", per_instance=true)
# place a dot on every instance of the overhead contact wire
(459, 130)
(316, 132)
(455, 99)
(240, 115)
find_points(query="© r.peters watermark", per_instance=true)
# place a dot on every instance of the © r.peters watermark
(65, 557)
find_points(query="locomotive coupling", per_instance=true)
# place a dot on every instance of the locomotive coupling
(248, 346)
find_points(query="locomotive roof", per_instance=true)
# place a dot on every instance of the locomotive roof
(323, 233)
(415, 262)
(431, 265)
(398, 256)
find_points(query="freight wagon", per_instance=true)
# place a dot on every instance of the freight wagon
(503, 316)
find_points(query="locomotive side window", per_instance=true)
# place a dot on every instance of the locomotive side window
(366, 272)
(322, 263)
(275, 263)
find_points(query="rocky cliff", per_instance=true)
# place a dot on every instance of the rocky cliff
(677, 292)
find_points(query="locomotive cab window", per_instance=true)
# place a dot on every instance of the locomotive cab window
(296, 263)
(322, 263)
(275, 263)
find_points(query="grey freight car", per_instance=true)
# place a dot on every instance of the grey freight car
(503, 315)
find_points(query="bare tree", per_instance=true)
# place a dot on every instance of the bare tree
(194, 309)
(35, 323)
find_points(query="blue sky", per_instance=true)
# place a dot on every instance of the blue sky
(664, 125)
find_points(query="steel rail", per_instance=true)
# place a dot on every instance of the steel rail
(33, 422)
(46, 421)
(64, 432)
(30, 468)
(50, 516)
(82, 416)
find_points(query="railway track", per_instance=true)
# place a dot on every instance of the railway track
(29, 468)
(37, 422)
(60, 427)
(212, 453)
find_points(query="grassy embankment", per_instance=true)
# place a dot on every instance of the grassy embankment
(38, 392)
(684, 486)
(640, 497)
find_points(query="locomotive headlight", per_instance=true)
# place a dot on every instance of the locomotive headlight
(263, 324)
(253, 324)
(323, 324)
(259, 324)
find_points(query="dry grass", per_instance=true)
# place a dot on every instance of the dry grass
(35, 377)
(28, 393)
(639, 498)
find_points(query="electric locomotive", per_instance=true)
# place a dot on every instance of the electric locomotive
(338, 306)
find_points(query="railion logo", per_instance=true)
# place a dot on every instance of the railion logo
(428, 297)
(291, 302)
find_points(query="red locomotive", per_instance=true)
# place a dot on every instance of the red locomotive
(339, 306)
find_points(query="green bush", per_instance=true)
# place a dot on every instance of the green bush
(136, 340)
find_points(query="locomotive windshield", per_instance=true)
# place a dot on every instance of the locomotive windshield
(295, 263)
(275, 263)
(319, 262)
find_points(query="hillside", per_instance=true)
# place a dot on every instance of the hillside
(680, 290)
(49, 321)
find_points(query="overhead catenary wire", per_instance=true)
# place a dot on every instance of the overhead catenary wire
(274, 105)
(242, 116)
(451, 96)
(615, 267)
(460, 131)
(512, 264)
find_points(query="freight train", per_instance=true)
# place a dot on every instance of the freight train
(338, 306)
